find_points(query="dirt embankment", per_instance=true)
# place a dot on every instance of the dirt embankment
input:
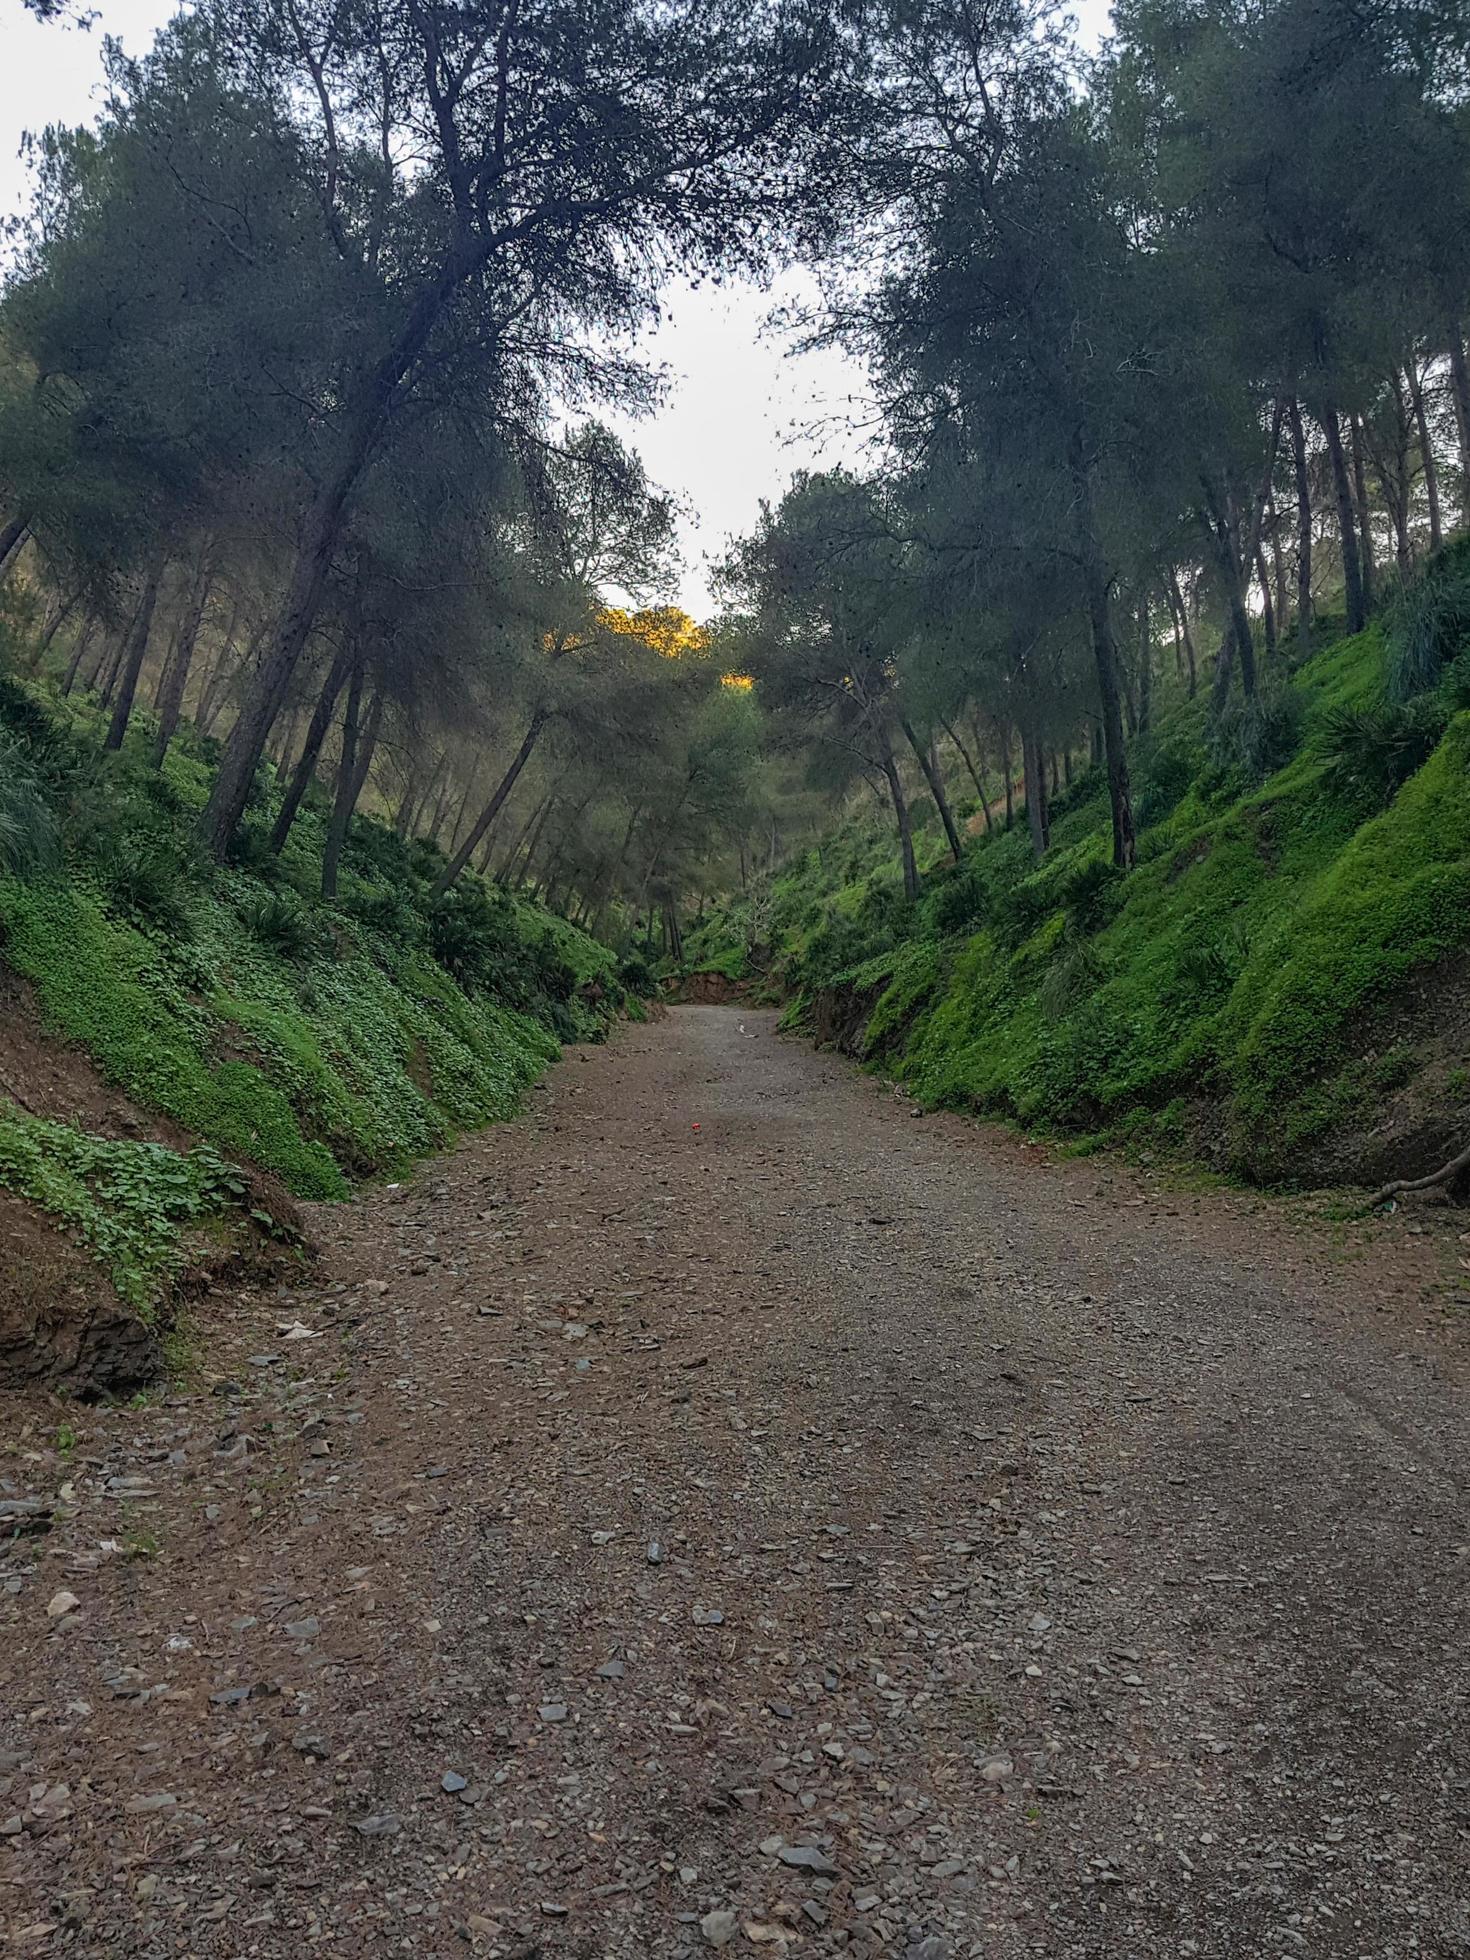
(1401, 1110)
(708, 990)
(61, 1318)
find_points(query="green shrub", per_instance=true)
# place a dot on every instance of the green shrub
(1428, 623)
(281, 922)
(30, 837)
(1254, 737)
(146, 876)
(1370, 751)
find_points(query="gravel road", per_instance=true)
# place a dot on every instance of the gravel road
(722, 1510)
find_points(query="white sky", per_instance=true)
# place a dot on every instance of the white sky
(740, 408)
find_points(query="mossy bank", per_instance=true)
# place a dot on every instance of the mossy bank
(318, 1043)
(1280, 989)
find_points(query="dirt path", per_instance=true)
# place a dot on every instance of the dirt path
(723, 1509)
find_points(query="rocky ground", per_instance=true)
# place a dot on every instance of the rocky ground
(721, 1511)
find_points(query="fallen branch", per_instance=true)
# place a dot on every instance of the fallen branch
(1441, 1176)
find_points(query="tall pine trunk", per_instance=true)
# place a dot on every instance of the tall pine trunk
(1460, 391)
(1303, 526)
(1427, 461)
(1096, 585)
(929, 763)
(78, 654)
(1181, 624)
(12, 536)
(169, 700)
(1038, 814)
(1145, 667)
(900, 815)
(137, 650)
(975, 777)
(1368, 568)
(58, 619)
(316, 735)
(491, 810)
(1268, 609)
(359, 740)
(1220, 535)
(1347, 527)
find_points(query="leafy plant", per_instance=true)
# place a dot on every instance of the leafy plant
(1371, 751)
(30, 837)
(1255, 737)
(1428, 623)
(1212, 967)
(146, 876)
(1090, 893)
(281, 923)
(1069, 980)
(128, 1202)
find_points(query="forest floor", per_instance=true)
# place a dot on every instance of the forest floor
(722, 1509)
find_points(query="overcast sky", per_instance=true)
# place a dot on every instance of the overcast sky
(740, 405)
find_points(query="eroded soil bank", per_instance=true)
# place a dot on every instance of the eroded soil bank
(721, 1509)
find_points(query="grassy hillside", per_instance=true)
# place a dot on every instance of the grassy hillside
(321, 1043)
(1282, 987)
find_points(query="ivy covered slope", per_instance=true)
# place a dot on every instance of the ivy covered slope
(320, 1043)
(1281, 988)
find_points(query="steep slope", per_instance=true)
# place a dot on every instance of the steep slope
(1281, 988)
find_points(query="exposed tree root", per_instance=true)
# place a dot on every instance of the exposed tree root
(1441, 1176)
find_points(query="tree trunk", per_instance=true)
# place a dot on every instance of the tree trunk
(1278, 567)
(137, 649)
(1006, 764)
(1352, 570)
(1303, 527)
(12, 536)
(901, 816)
(459, 816)
(358, 744)
(975, 777)
(519, 861)
(1220, 534)
(928, 762)
(57, 621)
(1397, 484)
(1181, 615)
(1105, 656)
(1368, 569)
(253, 725)
(106, 647)
(607, 881)
(169, 700)
(1268, 609)
(491, 810)
(346, 776)
(1426, 458)
(316, 735)
(211, 694)
(78, 654)
(1038, 816)
(1145, 667)
(1460, 390)
(286, 744)
(362, 422)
